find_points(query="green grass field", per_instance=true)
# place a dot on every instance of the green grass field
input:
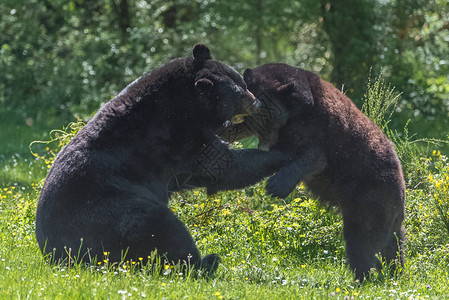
(270, 249)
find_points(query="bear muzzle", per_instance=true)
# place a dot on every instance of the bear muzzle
(253, 108)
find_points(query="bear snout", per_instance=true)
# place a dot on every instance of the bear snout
(253, 107)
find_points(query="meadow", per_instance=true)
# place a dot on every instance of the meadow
(270, 248)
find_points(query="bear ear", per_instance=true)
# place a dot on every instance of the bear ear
(201, 53)
(203, 85)
(248, 75)
(296, 93)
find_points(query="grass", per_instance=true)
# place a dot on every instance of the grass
(259, 260)
(270, 249)
(17, 164)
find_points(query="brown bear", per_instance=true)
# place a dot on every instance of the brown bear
(338, 152)
(108, 189)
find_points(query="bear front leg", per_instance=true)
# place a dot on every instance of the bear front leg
(219, 168)
(285, 180)
(247, 168)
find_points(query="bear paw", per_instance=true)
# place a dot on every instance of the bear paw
(277, 187)
(209, 264)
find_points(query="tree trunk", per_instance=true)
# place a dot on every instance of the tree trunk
(121, 10)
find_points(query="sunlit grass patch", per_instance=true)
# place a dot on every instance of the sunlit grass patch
(21, 170)
(269, 248)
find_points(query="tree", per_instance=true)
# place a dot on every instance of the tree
(350, 27)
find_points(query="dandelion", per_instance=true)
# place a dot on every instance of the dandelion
(163, 284)
(226, 212)
(338, 290)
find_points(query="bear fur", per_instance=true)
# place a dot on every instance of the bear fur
(339, 153)
(108, 189)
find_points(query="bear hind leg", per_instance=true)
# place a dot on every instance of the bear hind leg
(393, 252)
(359, 250)
(160, 229)
(368, 231)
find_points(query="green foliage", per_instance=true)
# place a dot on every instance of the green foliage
(352, 34)
(428, 208)
(416, 32)
(425, 172)
(63, 59)
(380, 102)
(438, 180)
(58, 139)
(294, 231)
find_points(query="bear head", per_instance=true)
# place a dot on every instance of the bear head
(284, 92)
(222, 88)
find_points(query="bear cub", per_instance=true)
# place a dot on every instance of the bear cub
(339, 154)
(108, 189)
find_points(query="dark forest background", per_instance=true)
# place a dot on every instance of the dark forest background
(60, 59)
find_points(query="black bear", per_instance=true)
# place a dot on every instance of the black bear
(108, 189)
(338, 152)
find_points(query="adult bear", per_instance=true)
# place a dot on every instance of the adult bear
(339, 153)
(108, 189)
